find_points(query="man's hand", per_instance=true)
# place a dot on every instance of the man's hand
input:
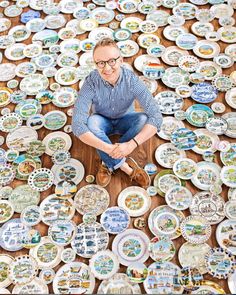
(123, 149)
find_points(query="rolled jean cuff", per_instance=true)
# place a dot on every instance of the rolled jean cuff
(117, 166)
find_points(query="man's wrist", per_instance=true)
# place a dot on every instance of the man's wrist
(132, 144)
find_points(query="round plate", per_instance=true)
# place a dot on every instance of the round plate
(209, 206)
(174, 76)
(193, 255)
(209, 287)
(6, 260)
(55, 120)
(185, 168)
(232, 282)
(104, 264)
(165, 221)
(115, 220)
(67, 76)
(135, 200)
(209, 70)
(161, 249)
(169, 102)
(198, 114)
(131, 246)
(178, 197)
(184, 138)
(57, 141)
(41, 179)
(36, 286)
(225, 234)
(92, 199)
(34, 83)
(62, 232)
(128, 48)
(7, 210)
(204, 92)
(206, 141)
(228, 175)
(195, 229)
(206, 49)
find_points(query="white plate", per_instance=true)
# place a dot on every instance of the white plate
(143, 60)
(167, 154)
(131, 23)
(57, 141)
(128, 48)
(206, 141)
(135, 200)
(206, 49)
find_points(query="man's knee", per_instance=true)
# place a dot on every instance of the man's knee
(95, 123)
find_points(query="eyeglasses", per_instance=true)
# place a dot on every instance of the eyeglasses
(111, 62)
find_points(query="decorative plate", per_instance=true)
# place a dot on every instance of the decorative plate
(209, 206)
(163, 279)
(36, 286)
(55, 120)
(131, 23)
(217, 125)
(232, 282)
(137, 272)
(225, 235)
(228, 175)
(115, 220)
(34, 83)
(7, 174)
(135, 200)
(46, 253)
(131, 246)
(128, 48)
(31, 215)
(230, 117)
(165, 221)
(90, 238)
(118, 282)
(62, 232)
(102, 15)
(68, 276)
(230, 209)
(41, 179)
(206, 141)
(144, 60)
(198, 114)
(167, 154)
(6, 260)
(209, 70)
(160, 17)
(209, 287)
(169, 102)
(161, 249)
(186, 41)
(193, 255)
(67, 76)
(54, 208)
(174, 76)
(92, 198)
(68, 255)
(57, 141)
(206, 49)
(146, 40)
(172, 54)
(184, 138)
(23, 269)
(195, 229)
(220, 263)
(104, 264)
(178, 197)
(7, 210)
(207, 174)
(186, 10)
(185, 168)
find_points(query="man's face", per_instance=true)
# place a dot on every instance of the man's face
(107, 53)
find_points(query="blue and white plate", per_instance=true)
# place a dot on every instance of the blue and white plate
(204, 92)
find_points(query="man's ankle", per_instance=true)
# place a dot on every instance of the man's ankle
(126, 168)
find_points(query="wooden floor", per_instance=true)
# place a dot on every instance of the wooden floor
(144, 154)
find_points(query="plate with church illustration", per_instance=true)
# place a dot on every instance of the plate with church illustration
(135, 200)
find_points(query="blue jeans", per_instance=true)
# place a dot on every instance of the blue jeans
(127, 126)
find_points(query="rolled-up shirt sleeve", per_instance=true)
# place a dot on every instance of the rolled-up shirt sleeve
(82, 108)
(147, 102)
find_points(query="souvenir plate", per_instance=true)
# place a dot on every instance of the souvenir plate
(193, 255)
(23, 269)
(137, 272)
(41, 179)
(167, 154)
(186, 10)
(230, 209)
(135, 200)
(117, 283)
(55, 120)
(131, 23)
(11, 234)
(102, 15)
(165, 221)
(23, 196)
(185, 168)
(115, 220)
(160, 17)
(54, 208)
(172, 32)
(163, 279)
(64, 97)
(5, 95)
(206, 141)
(174, 76)
(150, 84)
(207, 174)
(7, 71)
(68, 255)
(144, 60)
(34, 83)
(73, 170)
(28, 108)
(232, 282)
(227, 34)
(67, 76)
(172, 55)
(161, 249)
(220, 263)
(31, 215)
(46, 253)
(6, 260)
(217, 125)
(201, 29)
(36, 286)
(146, 40)
(209, 70)
(186, 41)
(169, 102)
(204, 92)
(230, 118)
(15, 52)
(7, 210)
(128, 48)
(209, 206)
(131, 246)
(7, 174)
(184, 138)
(188, 63)
(195, 229)
(209, 287)
(91, 198)
(230, 97)
(168, 126)
(65, 189)
(36, 148)
(206, 49)
(121, 34)
(198, 114)
(229, 157)
(225, 234)
(178, 197)
(57, 141)
(62, 232)
(74, 278)
(228, 175)
(104, 264)
(89, 239)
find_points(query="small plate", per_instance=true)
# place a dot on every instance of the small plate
(67, 76)
(41, 179)
(131, 23)
(206, 141)
(146, 40)
(161, 249)
(55, 120)
(186, 10)
(206, 49)
(188, 63)
(144, 60)
(135, 200)
(57, 141)
(128, 48)
(186, 41)
(160, 17)
(229, 157)
(131, 246)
